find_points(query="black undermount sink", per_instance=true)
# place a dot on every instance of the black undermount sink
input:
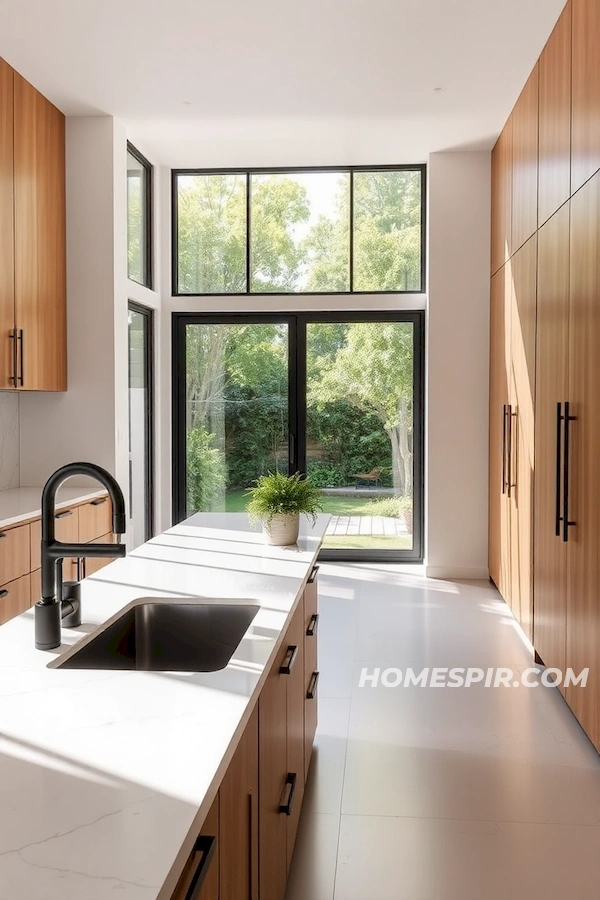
(159, 636)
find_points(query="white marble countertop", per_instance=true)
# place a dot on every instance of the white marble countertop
(104, 775)
(21, 504)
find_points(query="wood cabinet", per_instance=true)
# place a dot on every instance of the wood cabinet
(585, 100)
(199, 864)
(554, 184)
(550, 551)
(14, 553)
(502, 198)
(14, 598)
(7, 243)
(512, 393)
(582, 490)
(525, 163)
(238, 828)
(93, 564)
(32, 238)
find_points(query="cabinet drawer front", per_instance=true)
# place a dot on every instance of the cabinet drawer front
(95, 519)
(92, 565)
(14, 553)
(15, 598)
(66, 525)
(207, 888)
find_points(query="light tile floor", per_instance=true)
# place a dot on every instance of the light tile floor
(439, 794)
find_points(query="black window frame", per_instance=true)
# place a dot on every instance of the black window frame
(148, 313)
(148, 241)
(275, 170)
(297, 412)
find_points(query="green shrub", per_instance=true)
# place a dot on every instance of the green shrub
(326, 475)
(206, 472)
(388, 507)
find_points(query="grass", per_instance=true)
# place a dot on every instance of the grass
(235, 501)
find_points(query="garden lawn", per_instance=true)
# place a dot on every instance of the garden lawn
(235, 501)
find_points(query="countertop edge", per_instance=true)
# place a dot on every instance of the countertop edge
(23, 518)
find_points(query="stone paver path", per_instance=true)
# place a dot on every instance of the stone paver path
(366, 525)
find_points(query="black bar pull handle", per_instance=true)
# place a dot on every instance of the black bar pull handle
(2, 534)
(313, 575)
(13, 337)
(568, 418)
(287, 798)
(509, 454)
(288, 661)
(311, 629)
(205, 847)
(311, 692)
(3, 593)
(504, 408)
(64, 515)
(559, 419)
(21, 341)
(99, 501)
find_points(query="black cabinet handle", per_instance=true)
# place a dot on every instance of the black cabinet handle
(557, 515)
(3, 593)
(21, 341)
(99, 501)
(567, 418)
(504, 449)
(13, 337)
(510, 484)
(2, 535)
(288, 794)
(311, 629)
(313, 575)
(288, 661)
(205, 846)
(312, 686)
(64, 515)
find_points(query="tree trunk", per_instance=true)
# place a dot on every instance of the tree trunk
(403, 428)
(397, 461)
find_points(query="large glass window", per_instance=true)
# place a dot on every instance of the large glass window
(139, 222)
(299, 231)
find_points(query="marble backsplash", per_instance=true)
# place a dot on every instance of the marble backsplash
(9, 440)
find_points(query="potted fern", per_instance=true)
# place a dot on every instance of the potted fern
(278, 501)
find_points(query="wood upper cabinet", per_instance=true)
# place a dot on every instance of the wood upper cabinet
(40, 240)
(555, 119)
(499, 521)
(585, 150)
(525, 118)
(238, 826)
(550, 551)
(583, 595)
(502, 198)
(7, 285)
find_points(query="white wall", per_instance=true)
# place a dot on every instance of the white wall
(458, 365)
(89, 421)
(9, 440)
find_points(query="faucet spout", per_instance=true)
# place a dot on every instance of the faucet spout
(48, 620)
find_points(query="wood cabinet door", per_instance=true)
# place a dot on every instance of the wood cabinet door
(499, 522)
(555, 119)
(583, 596)
(15, 598)
(40, 240)
(272, 764)
(311, 673)
(210, 889)
(525, 163)
(522, 431)
(95, 519)
(502, 198)
(93, 564)
(296, 697)
(7, 268)
(585, 136)
(238, 826)
(552, 347)
(15, 557)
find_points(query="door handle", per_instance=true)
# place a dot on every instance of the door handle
(290, 658)
(13, 337)
(205, 846)
(567, 419)
(504, 411)
(285, 805)
(558, 517)
(21, 342)
(312, 686)
(311, 628)
(313, 575)
(509, 463)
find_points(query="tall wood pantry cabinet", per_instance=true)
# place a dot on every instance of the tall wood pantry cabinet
(545, 362)
(32, 238)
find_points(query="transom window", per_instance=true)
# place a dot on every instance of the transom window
(284, 231)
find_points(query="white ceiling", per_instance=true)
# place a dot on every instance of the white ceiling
(315, 78)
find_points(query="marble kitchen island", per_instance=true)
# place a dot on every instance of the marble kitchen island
(105, 775)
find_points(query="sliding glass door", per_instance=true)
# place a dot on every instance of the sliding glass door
(339, 396)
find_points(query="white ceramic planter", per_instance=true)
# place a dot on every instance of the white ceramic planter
(282, 530)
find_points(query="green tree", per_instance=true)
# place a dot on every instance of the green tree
(373, 371)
